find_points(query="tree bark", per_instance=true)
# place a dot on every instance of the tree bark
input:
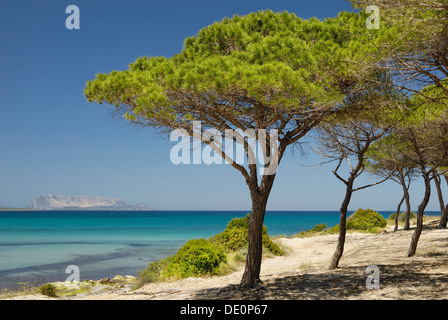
(407, 200)
(421, 210)
(408, 206)
(443, 211)
(251, 275)
(259, 195)
(342, 227)
(398, 213)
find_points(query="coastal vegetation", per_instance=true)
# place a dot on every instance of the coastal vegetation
(366, 220)
(402, 217)
(317, 230)
(48, 289)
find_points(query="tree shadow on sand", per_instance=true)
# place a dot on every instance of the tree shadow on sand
(410, 281)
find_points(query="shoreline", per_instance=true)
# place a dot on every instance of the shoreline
(303, 273)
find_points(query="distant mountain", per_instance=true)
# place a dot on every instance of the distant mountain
(56, 202)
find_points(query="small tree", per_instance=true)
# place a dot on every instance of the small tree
(385, 161)
(349, 140)
(443, 210)
(420, 142)
(444, 218)
(430, 108)
(343, 142)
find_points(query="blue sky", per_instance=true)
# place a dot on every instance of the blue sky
(52, 141)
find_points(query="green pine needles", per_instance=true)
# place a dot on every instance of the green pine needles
(272, 59)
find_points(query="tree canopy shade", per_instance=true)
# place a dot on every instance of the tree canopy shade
(263, 71)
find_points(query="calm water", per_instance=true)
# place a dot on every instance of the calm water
(36, 246)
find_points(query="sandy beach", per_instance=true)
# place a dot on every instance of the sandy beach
(303, 273)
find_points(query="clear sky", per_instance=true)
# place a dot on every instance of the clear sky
(52, 141)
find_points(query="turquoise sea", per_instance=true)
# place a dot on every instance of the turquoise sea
(37, 246)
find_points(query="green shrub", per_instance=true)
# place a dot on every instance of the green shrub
(154, 272)
(200, 257)
(48, 290)
(317, 230)
(232, 239)
(197, 257)
(334, 229)
(319, 227)
(366, 220)
(237, 223)
(402, 216)
(236, 236)
(271, 246)
(363, 220)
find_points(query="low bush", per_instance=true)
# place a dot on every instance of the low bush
(236, 236)
(318, 229)
(366, 220)
(48, 290)
(271, 246)
(201, 257)
(363, 220)
(334, 229)
(402, 216)
(243, 223)
(154, 272)
(231, 239)
(197, 257)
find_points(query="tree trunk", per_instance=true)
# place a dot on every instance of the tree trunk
(251, 275)
(421, 210)
(342, 227)
(259, 196)
(408, 202)
(408, 207)
(443, 211)
(398, 213)
(446, 208)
